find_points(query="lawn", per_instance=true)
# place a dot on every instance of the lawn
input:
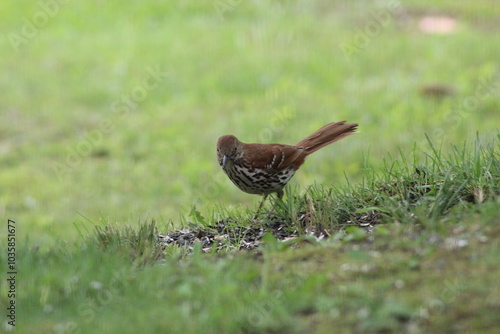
(110, 113)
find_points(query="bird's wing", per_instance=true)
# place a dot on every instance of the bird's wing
(273, 157)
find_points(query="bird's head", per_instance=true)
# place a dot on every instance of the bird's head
(228, 148)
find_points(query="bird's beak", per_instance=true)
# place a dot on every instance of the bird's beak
(224, 161)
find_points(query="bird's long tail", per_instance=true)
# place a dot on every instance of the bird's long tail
(326, 135)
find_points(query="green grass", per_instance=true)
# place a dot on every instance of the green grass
(74, 154)
(429, 266)
(264, 72)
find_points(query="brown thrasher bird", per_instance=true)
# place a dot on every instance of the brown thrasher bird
(266, 168)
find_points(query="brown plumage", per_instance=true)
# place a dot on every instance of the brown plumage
(266, 168)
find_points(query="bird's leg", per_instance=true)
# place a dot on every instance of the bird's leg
(260, 206)
(280, 194)
(279, 198)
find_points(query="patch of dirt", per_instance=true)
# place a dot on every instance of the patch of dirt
(228, 234)
(368, 219)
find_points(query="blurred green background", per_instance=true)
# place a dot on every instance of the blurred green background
(111, 110)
